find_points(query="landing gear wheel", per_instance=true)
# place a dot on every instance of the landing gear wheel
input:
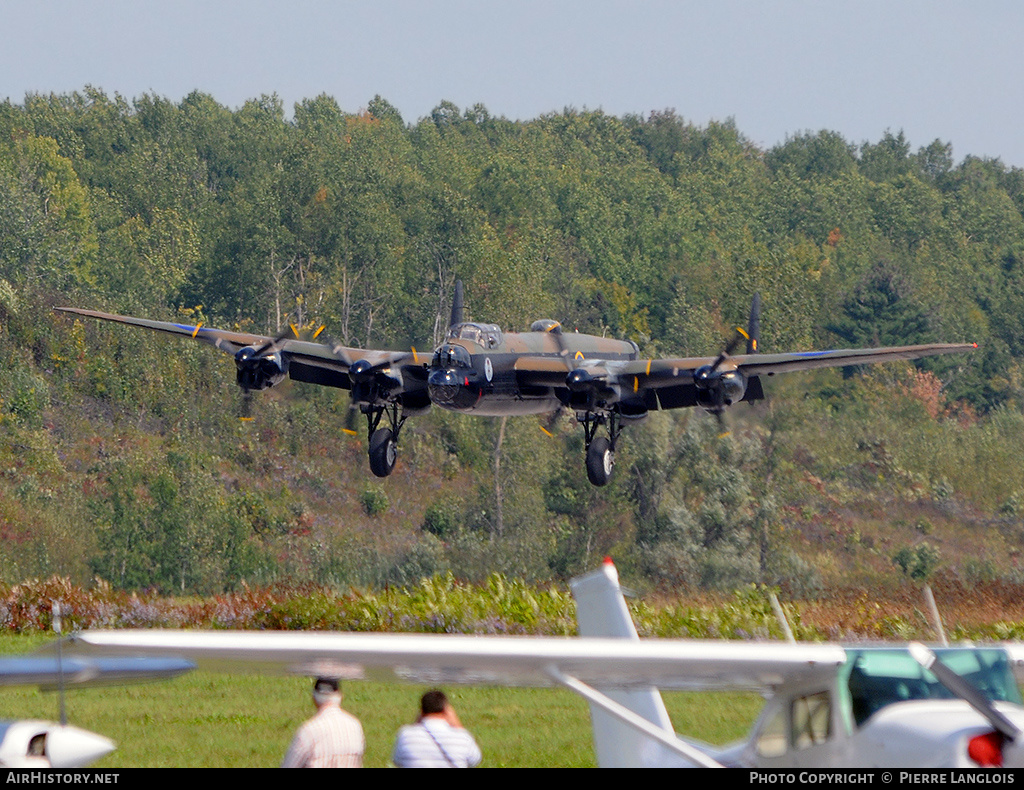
(600, 460)
(383, 452)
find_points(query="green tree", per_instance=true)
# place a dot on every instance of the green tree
(46, 229)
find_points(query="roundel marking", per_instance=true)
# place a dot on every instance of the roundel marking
(488, 368)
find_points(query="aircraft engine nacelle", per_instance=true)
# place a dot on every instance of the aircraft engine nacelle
(581, 380)
(373, 383)
(587, 391)
(259, 372)
(717, 389)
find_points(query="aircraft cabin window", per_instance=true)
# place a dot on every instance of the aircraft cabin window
(881, 677)
(37, 746)
(771, 739)
(812, 720)
(484, 335)
(452, 356)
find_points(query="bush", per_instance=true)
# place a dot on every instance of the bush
(442, 519)
(374, 501)
(919, 562)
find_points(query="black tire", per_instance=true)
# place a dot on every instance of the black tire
(383, 452)
(600, 460)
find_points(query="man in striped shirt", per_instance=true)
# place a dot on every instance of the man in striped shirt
(333, 738)
(437, 739)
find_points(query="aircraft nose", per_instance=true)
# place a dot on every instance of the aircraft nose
(443, 386)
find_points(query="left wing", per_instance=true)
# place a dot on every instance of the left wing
(480, 660)
(677, 382)
(657, 372)
(674, 379)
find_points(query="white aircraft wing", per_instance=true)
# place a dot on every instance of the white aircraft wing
(47, 672)
(480, 660)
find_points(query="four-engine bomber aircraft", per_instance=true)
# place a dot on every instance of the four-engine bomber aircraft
(480, 370)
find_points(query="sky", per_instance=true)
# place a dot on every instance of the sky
(934, 69)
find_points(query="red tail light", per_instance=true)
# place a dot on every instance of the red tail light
(986, 750)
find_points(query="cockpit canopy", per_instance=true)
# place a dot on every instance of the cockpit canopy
(484, 335)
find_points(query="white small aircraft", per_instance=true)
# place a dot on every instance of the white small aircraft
(827, 706)
(30, 743)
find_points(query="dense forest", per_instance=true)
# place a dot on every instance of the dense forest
(122, 458)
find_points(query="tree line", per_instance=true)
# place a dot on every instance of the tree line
(122, 457)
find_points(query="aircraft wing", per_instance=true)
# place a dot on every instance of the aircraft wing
(45, 671)
(667, 372)
(769, 364)
(316, 363)
(669, 383)
(480, 660)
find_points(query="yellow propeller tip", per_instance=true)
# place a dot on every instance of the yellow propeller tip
(547, 431)
(349, 432)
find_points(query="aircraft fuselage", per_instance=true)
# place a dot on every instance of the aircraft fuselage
(474, 370)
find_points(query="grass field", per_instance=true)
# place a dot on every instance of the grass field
(219, 720)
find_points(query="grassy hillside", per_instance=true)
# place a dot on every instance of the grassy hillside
(122, 458)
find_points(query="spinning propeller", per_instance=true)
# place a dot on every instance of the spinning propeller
(362, 375)
(261, 367)
(356, 373)
(555, 330)
(717, 389)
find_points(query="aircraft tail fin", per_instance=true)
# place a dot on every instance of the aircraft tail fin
(754, 325)
(456, 305)
(601, 612)
(754, 389)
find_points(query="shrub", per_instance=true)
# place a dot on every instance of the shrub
(918, 562)
(374, 501)
(442, 519)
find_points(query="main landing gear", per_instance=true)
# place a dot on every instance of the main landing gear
(600, 449)
(383, 450)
